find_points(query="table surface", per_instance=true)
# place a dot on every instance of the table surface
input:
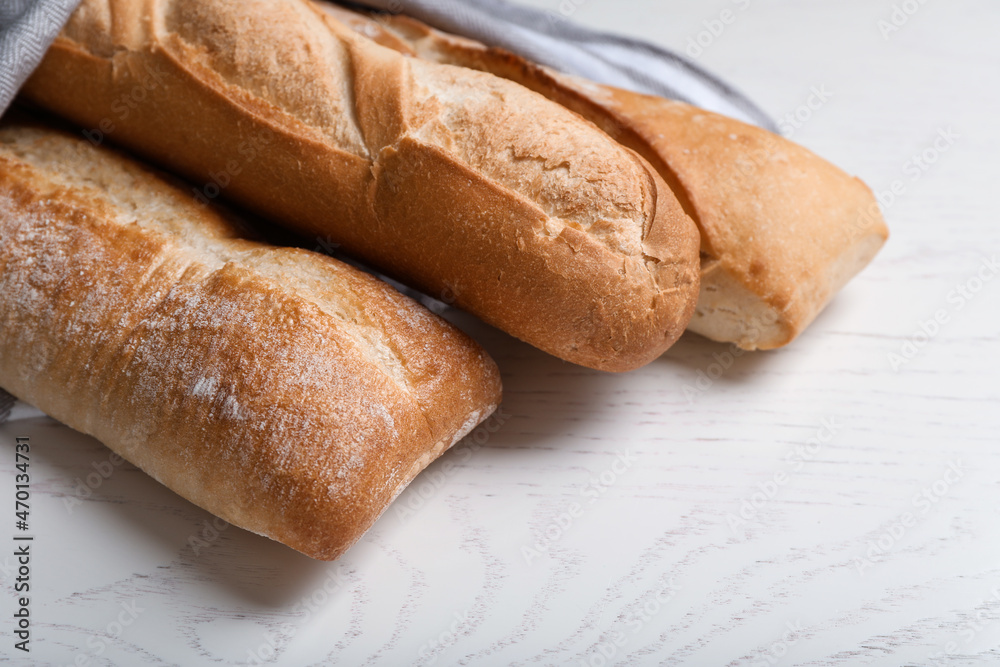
(825, 504)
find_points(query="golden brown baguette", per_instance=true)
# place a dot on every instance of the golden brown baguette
(284, 391)
(782, 230)
(459, 183)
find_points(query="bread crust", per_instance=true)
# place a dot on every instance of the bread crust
(782, 230)
(341, 127)
(284, 391)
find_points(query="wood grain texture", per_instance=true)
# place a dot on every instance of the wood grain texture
(652, 571)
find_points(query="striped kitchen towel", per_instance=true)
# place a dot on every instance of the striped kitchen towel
(27, 28)
(11, 409)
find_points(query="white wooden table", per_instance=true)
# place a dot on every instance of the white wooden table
(825, 504)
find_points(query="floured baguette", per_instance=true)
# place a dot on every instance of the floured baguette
(782, 230)
(284, 391)
(462, 184)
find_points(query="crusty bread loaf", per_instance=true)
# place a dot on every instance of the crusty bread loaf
(782, 230)
(282, 390)
(459, 183)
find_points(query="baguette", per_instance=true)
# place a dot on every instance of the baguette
(279, 389)
(782, 230)
(462, 184)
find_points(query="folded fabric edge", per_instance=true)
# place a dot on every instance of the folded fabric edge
(12, 409)
(24, 39)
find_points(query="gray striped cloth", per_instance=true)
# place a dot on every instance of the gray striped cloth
(6, 404)
(27, 28)
(11, 409)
